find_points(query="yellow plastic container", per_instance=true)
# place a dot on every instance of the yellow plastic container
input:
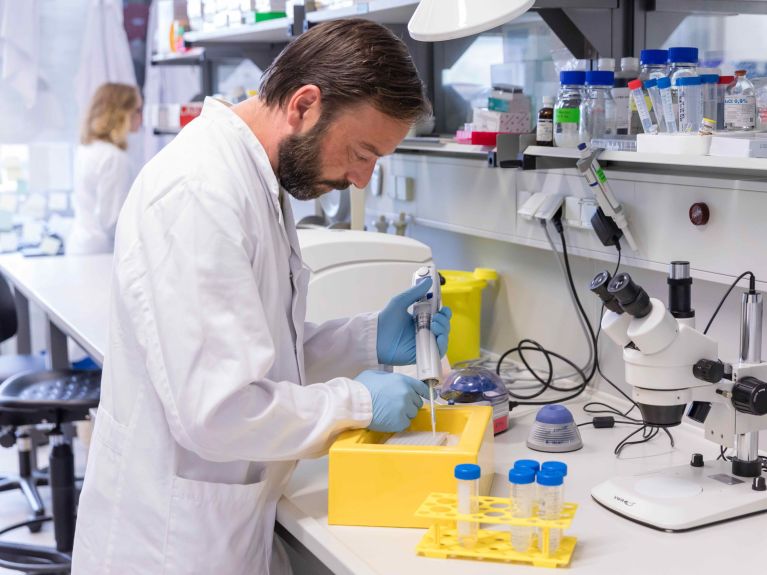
(462, 293)
(373, 484)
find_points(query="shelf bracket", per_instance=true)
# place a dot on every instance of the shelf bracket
(570, 35)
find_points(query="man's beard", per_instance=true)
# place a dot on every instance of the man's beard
(299, 165)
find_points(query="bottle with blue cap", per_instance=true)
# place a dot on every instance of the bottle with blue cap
(467, 476)
(682, 63)
(597, 115)
(567, 108)
(550, 502)
(522, 494)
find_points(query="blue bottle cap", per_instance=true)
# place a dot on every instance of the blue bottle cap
(689, 81)
(467, 471)
(651, 83)
(554, 414)
(521, 475)
(550, 479)
(653, 57)
(664, 83)
(555, 466)
(530, 463)
(600, 78)
(570, 77)
(709, 79)
(683, 54)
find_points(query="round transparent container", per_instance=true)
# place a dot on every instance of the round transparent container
(567, 108)
(597, 114)
(522, 494)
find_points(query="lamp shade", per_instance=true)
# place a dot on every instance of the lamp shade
(438, 20)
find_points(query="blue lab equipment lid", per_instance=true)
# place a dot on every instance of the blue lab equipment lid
(600, 78)
(555, 466)
(684, 54)
(709, 79)
(653, 57)
(554, 414)
(473, 384)
(521, 475)
(529, 463)
(570, 77)
(467, 471)
(688, 81)
(550, 479)
(651, 83)
(664, 82)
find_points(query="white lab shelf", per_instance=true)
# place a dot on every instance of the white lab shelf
(381, 11)
(191, 57)
(269, 31)
(444, 147)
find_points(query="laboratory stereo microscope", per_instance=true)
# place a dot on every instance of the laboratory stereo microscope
(674, 370)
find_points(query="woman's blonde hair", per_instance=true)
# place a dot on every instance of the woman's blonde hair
(109, 115)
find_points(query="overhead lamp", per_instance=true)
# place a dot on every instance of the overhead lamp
(438, 20)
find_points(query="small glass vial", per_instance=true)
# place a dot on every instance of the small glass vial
(467, 476)
(551, 500)
(544, 130)
(690, 104)
(597, 116)
(522, 494)
(567, 109)
(740, 104)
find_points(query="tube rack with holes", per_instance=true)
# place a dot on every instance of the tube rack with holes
(492, 544)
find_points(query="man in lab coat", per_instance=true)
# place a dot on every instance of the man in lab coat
(206, 403)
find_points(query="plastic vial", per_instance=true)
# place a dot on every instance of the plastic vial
(721, 88)
(637, 93)
(656, 109)
(555, 466)
(666, 99)
(598, 108)
(467, 477)
(690, 103)
(708, 91)
(683, 63)
(740, 104)
(707, 127)
(621, 95)
(551, 500)
(530, 463)
(567, 109)
(522, 493)
(606, 64)
(544, 130)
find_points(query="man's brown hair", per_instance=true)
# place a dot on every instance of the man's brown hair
(352, 62)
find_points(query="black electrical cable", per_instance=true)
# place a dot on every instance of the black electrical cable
(36, 521)
(751, 289)
(648, 434)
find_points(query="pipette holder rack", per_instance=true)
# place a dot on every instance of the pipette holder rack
(441, 539)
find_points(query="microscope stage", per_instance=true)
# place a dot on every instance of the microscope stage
(683, 497)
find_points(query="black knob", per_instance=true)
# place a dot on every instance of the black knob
(759, 484)
(709, 370)
(697, 460)
(7, 437)
(749, 395)
(599, 287)
(633, 298)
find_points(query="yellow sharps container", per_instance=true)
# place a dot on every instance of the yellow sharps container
(462, 293)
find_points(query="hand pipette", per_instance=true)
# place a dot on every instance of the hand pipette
(428, 362)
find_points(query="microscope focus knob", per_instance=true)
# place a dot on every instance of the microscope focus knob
(749, 395)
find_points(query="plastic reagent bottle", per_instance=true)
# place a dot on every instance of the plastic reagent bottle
(530, 463)
(740, 104)
(551, 500)
(666, 99)
(690, 103)
(644, 113)
(555, 466)
(606, 64)
(467, 476)
(544, 130)
(567, 109)
(522, 493)
(656, 112)
(597, 116)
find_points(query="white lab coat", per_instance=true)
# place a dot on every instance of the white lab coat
(102, 180)
(205, 402)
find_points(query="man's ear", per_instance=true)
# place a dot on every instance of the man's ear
(304, 107)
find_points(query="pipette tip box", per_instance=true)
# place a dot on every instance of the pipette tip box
(374, 484)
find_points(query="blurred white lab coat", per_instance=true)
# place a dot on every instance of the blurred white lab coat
(102, 179)
(205, 402)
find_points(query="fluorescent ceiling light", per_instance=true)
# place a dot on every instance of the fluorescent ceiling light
(438, 20)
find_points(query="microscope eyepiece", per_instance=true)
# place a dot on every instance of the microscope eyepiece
(599, 287)
(632, 298)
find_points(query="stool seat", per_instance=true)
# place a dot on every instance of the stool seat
(14, 364)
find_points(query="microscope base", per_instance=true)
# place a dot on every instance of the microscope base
(683, 497)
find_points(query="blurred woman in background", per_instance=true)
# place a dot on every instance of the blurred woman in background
(103, 173)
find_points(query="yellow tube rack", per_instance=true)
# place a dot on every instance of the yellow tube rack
(492, 545)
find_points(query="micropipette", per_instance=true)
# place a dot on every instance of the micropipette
(428, 362)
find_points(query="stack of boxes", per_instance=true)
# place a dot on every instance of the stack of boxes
(206, 15)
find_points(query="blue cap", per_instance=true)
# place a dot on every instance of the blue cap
(664, 82)
(653, 57)
(554, 414)
(529, 463)
(709, 78)
(569, 77)
(684, 54)
(555, 466)
(688, 81)
(467, 471)
(600, 78)
(521, 475)
(651, 83)
(550, 479)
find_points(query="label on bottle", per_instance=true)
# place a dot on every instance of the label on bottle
(544, 131)
(567, 115)
(622, 112)
(739, 112)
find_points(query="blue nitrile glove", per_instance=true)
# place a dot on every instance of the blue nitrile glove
(396, 329)
(396, 399)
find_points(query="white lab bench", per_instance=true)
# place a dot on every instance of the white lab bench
(74, 294)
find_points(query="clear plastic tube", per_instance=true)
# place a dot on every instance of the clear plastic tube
(641, 105)
(667, 104)
(522, 493)
(551, 499)
(657, 107)
(467, 476)
(690, 104)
